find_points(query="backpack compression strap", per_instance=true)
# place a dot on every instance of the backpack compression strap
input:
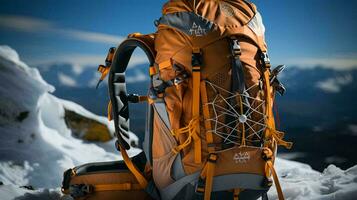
(118, 95)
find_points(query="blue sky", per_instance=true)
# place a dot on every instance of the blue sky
(306, 32)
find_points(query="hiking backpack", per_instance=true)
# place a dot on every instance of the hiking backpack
(210, 130)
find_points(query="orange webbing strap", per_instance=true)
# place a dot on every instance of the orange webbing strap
(236, 194)
(152, 70)
(206, 115)
(139, 177)
(276, 180)
(115, 187)
(165, 64)
(269, 170)
(196, 78)
(210, 167)
(270, 131)
(270, 117)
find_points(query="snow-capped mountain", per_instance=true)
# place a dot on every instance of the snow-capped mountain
(30, 113)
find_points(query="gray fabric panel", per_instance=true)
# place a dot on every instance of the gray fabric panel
(177, 168)
(188, 22)
(171, 191)
(249, 181)
(160, 108)
(147, 143)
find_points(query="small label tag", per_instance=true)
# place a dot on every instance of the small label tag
(241, 157)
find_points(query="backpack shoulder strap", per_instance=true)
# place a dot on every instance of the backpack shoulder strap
(117, 85)
(118, 95)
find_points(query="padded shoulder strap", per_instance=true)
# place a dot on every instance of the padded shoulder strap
(116, 81)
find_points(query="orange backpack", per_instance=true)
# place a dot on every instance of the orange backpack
(210, 129)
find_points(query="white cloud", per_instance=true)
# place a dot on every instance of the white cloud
(83, 60)
(337, 62)
(66, 80)
(35, 25)
(334, 85)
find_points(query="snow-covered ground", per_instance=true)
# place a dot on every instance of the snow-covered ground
(36, 146)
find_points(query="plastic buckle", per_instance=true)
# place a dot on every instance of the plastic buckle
(212, 158)
(236, 50)
(196, 57)
(200, 187)
(265, 59)
(80, 190)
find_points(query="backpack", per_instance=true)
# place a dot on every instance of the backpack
(210, 130)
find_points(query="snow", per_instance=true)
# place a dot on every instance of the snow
(36, 148)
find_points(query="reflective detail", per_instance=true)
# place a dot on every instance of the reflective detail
(188, 22)
(147, 144)
(256, 24)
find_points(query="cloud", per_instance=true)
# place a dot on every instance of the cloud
(66, 80)
(337, 62)
(35, 25)
(83, 60)
(334, 85)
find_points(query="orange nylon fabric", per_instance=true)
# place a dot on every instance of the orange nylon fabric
(121, 186)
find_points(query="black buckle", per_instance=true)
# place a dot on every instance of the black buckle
(133, 98)
(200, 186)
(196, 59)
(80, 190)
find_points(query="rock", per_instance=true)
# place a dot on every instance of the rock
(86, 128)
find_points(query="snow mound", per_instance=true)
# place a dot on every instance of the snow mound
(299, 181)
(36, 145)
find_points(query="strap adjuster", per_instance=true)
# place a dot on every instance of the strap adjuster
(236, 50)
(200, 186)
(265, 59)
(212, 158)
(196, 58)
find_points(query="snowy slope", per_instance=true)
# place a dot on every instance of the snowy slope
(35, 144)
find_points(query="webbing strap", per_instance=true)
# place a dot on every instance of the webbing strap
(206, 115)
(196, 79)
(211, 164)
(236, 194)
(270, 131)
(133, 169)
(119, 186)
(269, 170)
(276, 180)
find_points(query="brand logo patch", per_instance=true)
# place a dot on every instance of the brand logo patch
(241, 157)
(197, 30)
